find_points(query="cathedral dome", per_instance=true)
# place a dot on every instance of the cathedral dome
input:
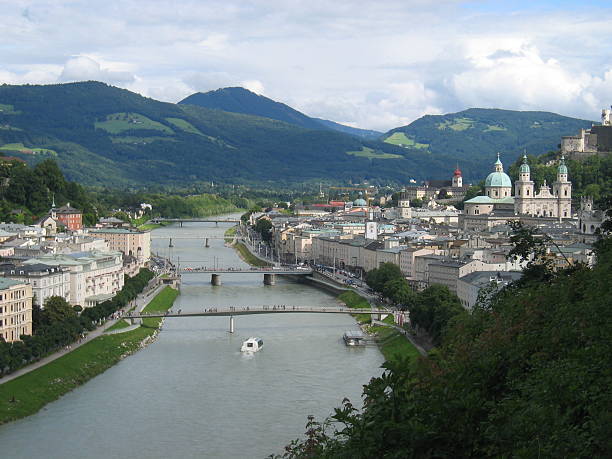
(498, 179)
(457, 172)
(360, 202)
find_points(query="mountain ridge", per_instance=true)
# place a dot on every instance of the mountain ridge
(106, 136)
(240, 100)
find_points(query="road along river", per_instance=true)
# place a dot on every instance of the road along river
(192, 394)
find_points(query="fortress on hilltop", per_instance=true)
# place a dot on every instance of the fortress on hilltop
(594, 141)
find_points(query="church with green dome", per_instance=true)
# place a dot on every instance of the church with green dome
(498, 205)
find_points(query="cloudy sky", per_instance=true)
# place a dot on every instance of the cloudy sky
(370, 64)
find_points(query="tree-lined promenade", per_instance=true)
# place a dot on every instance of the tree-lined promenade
(28, 393)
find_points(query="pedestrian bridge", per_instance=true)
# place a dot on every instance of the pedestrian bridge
(193, 220)
(269, 277)
(281, 270)
(231, 311)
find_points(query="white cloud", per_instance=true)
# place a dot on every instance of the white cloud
(82, 68)
(253, 85)
(372, 64)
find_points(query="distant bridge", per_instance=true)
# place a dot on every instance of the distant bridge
(193, 220)
(231, 311)
(282, 270)
(269, 273)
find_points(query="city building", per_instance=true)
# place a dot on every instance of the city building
(470, 285)
(70, 217)
(130, 242)
(498, 206)
(46, 281)
(94, 276)
(15, 309)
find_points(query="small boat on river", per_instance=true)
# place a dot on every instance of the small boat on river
(355, 338)
(252, 345)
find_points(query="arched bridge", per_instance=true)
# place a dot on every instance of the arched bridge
(231, 311)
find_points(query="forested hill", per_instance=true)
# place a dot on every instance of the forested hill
(241, 100)
(103, 135)
(477, 134)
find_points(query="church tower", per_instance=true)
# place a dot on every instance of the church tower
(457, 179)
(562, 189)
(523, 190)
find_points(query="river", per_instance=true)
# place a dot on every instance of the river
(192, 394)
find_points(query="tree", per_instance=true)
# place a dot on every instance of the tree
(56, 309)
(264, 227)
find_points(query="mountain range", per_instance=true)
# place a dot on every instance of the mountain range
(240, 100)
(103, 135)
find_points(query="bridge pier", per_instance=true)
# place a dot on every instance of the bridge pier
(269, 279)
(231, 324)
(215, 279)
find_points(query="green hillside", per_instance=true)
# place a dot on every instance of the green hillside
(241, 100)
(474, 136)
(102, 135)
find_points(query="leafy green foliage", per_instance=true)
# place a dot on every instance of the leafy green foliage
(33, 189)
(475, 135)
(141, 141)
(527, 377)
(590, 177)
(59, 325)
(431, 310)
(264, 227)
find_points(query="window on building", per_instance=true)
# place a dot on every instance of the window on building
(527, 192)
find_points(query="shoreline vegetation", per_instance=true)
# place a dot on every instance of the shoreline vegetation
(243, 252)
(391, 343)
(27, 394)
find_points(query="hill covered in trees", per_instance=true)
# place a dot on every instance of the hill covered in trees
(241, 100)
(106, 136)
(474, 136)
(525, 374)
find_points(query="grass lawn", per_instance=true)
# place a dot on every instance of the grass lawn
(150, 226)
(140, 140)
(119, 325)
(494, 127)
(400, 139)
(27, 394)
(230, 233)
(370, 153)
(392, 343)
(20, 148)
(184, 125)
(456, 124)
(354, 300)
(248, 257)
(120, 122)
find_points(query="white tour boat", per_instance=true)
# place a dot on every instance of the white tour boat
(252, 345)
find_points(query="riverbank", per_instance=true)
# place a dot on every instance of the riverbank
(28, 393)
(245, 255)
(390, 341)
